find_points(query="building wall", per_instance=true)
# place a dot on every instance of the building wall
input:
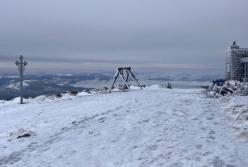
(237, 68)
(228, 64)
(234, 67)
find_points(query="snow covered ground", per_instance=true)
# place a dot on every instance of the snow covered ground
(140, 128)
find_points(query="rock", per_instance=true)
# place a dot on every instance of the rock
(217, 162)
(73, 93)
(58, 95)
(24, 135)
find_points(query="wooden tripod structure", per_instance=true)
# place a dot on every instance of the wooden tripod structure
(124, 74)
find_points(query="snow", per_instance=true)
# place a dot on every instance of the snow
(149, 127)
(231, 87)
(17, 85)
(237, 110)
(12, 76)
(157, 86)
(64, 75)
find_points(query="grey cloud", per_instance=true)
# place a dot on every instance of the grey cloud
(122, 32)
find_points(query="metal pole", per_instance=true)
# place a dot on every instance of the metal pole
(245, 71)
(21, 67)
(21, 78)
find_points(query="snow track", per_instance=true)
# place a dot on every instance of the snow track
(159, 127)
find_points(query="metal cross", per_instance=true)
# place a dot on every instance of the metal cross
(21, 67)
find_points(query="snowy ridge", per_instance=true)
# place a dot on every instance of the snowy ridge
(150, 127)
(66, 96)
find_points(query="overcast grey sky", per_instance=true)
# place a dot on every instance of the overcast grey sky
(102, 34)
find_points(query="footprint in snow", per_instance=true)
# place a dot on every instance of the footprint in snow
(152, 147)
(146, 120)
(211, 132)
(177, 164)
(198, 146)
(217, 162)
(243, 136)
(210, 118)
(101, 120)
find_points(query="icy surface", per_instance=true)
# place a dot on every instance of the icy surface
(152, 127)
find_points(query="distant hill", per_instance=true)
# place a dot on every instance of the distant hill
(47, 84)
(36, 85)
